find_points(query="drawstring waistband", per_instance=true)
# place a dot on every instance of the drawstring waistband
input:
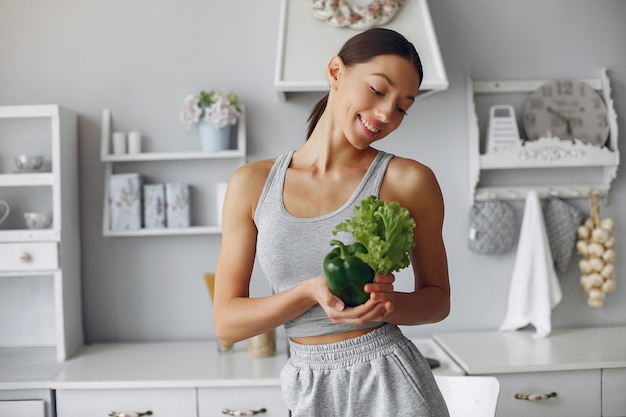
(377, 343)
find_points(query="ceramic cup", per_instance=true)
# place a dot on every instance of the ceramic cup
(4, 210)
(38, 219)
(29, 162)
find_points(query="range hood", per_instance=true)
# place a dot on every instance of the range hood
(306, 44)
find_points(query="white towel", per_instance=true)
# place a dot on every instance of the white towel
(535, 289)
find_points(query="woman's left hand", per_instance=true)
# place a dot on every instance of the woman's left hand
(379, 305)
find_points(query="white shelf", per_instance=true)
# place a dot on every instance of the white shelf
(26, 180)
(110, 160)
(191, 230)
(174, 156)
(545, 153)
(306, 44)
(60, 330)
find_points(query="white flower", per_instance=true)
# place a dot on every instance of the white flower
(217, 109)
(190, 112)
(221, 113)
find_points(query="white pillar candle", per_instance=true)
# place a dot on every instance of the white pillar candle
(134, 142)
(119, 142)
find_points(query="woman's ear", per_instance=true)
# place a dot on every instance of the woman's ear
(335, 68)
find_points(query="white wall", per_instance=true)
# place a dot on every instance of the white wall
(141, 57)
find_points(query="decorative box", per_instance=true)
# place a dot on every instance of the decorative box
(154, 206)
(125, 201)
(177, 204)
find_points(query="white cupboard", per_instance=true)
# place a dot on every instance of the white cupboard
(576, 372)
(40, 297)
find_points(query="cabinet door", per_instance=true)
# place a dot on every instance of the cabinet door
(613, 390)
(99, 402)
(211, 401)
(577, 394)
(22, 408)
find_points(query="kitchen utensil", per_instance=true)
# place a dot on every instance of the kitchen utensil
(28, 163)
(4, 210)
(38, 219)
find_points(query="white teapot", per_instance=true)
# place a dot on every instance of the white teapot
(4, 210)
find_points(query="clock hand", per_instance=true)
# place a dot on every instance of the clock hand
(557, 114)
(567, 120)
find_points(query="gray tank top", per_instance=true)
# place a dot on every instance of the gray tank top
(291, 249)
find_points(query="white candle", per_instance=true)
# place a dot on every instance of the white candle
(134, 142)
(119, 142)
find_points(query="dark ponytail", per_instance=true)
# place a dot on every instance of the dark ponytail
(363, 47)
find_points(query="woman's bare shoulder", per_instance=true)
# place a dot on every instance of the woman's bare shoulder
(406, 178)
(252, 175)
(410, 172)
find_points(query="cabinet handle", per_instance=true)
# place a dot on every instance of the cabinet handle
(243, 412)
(535, 397)
(25, 257)
(116, 414)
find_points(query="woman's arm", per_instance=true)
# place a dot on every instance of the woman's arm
(415, 187)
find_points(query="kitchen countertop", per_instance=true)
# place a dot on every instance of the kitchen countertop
(28, 368)
(494, 352)
(160, 365)
(168, 365)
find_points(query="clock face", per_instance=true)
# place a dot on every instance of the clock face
(567, 109)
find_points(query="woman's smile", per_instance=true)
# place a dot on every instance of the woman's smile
(370, 126)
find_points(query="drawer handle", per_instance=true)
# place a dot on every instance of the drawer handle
(25, 257)
(243, 412)
(535, 397)
(116, 414)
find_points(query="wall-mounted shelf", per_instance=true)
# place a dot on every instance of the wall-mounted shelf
(111, 160)
(545, 154)
(306, 44)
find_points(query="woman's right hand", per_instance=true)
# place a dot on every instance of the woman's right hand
(337, 311)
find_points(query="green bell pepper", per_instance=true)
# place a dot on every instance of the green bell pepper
(346, 274)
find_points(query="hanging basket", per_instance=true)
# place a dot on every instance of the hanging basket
(213, 139)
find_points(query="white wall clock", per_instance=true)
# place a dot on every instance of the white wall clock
(567, 109)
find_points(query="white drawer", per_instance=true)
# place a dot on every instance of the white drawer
(613, 389)
(22, 408)
(29, 256)
(211, 401)
(577, 394)
(99, 402)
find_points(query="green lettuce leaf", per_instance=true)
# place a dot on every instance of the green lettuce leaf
(386, 231)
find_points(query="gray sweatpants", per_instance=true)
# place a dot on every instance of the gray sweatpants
(378, 374)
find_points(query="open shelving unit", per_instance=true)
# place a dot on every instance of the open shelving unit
(111, 160)
(40, 275)
(545, 154)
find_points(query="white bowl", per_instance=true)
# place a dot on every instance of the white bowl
(29, 162)
(38, 219)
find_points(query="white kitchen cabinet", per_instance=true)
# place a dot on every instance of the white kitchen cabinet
(614, 392)
(586, 368)
(25, 376)
(22, 408)
(546, 165)
(179, 402)
(169, 379)
(40, 296)
(578, 393)
(156, 161)
(212, 401)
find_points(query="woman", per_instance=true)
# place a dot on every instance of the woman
(343, 361)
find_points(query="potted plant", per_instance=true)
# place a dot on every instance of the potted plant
(214, 113)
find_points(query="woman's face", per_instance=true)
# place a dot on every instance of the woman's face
(373, 97)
